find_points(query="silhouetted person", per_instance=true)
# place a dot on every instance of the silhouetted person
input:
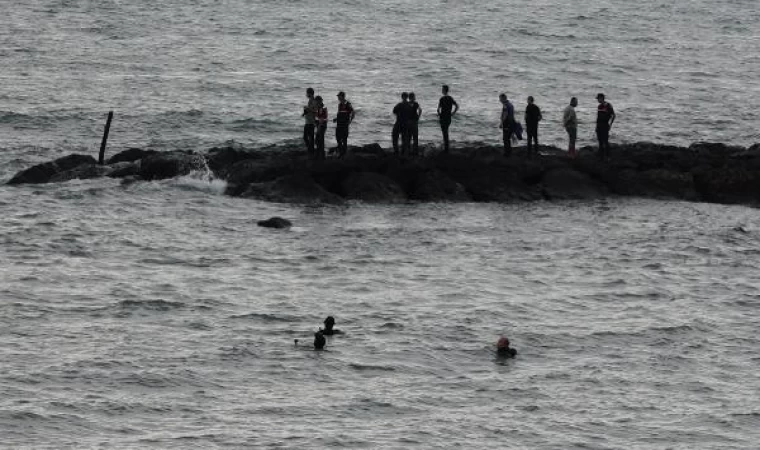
(319, 340)
(605, 117)
(503, 349)
(447, 107)
(400, 128)
(532, 117)
(507, 123)
(570, 122)
(414, 120)
(321, 118)
(309, 113)
(343, 119)
(330, 327)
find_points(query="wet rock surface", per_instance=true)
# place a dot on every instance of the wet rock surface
(712, 172)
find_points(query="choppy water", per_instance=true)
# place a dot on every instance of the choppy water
(158, 315)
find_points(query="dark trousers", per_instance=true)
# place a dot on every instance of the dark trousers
(308, 137)
(445, 123)
(507, 137)
(603, 135)
(341, 135)
(321, 130)
(414, 138)
(532, 132)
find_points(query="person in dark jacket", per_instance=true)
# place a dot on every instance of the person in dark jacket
(532, 117)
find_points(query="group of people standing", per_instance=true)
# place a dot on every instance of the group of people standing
(315, 128)
(408, 113)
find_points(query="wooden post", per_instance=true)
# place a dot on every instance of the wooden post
(105, 139)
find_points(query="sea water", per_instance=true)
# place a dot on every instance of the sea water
(158, 315)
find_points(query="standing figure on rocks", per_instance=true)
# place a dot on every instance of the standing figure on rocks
(570, 122)
(605, 117)
(309, 113)
(343, 119)
(532, 117)
(447, 107)
(507, 123)
(414, 129)
(321, 117)
(401, 110)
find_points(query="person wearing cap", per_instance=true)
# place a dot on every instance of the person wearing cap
(321, 118)
(605, 117)
(507, 123)
(343, 119)
(570, 122)
(447, 108)
(309, 113)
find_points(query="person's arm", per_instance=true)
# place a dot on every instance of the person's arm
(352, 114)
(612, 115)
(540, 117)
(456, 106)
(438, 111)
(419, 111)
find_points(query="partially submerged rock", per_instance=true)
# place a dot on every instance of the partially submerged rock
(44, 173)
(274, 222)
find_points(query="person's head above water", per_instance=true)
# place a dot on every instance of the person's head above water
(503, 348)
(329, 323)
(319, 340)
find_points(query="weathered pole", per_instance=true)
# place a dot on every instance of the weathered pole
(105, 139)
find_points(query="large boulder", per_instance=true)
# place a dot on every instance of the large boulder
(220, 159)
(655, 183)
(275, 222)
(82, 172)
(296, 188)
(565, 183)
(732, 185)
(124, 169)
(436, 186)
(43, 173)
(164, 165)
(130, 155)
(372, 187)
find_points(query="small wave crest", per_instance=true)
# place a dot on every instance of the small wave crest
(152, 305)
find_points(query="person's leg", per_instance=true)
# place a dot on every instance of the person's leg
(507, 137)
(415, 133)
(394, 137)
(600, 139)
(306, 138)
(572, 134)
(321, 142)
(344, 142)
(445, 122)
(606, 143)
(405, 140)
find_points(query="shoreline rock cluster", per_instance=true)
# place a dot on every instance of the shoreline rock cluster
(709, 172)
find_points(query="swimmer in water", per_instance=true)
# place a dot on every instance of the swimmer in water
(319, 340)
(329, 324)
(503, 349)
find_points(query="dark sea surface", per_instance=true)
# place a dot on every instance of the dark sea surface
(158, 315)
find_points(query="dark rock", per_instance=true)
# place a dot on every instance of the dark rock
(274, 222)
(297, 188)
(130, 155)
(655, 183)
(730, 185)
(369, 149)
(124, 169)
(372, 187)
(221, 158)
(43, 173)
(164, 165)
(436, 186)
(82, 172)
(566, 183)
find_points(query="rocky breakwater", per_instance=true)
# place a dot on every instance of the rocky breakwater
(702, 172)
